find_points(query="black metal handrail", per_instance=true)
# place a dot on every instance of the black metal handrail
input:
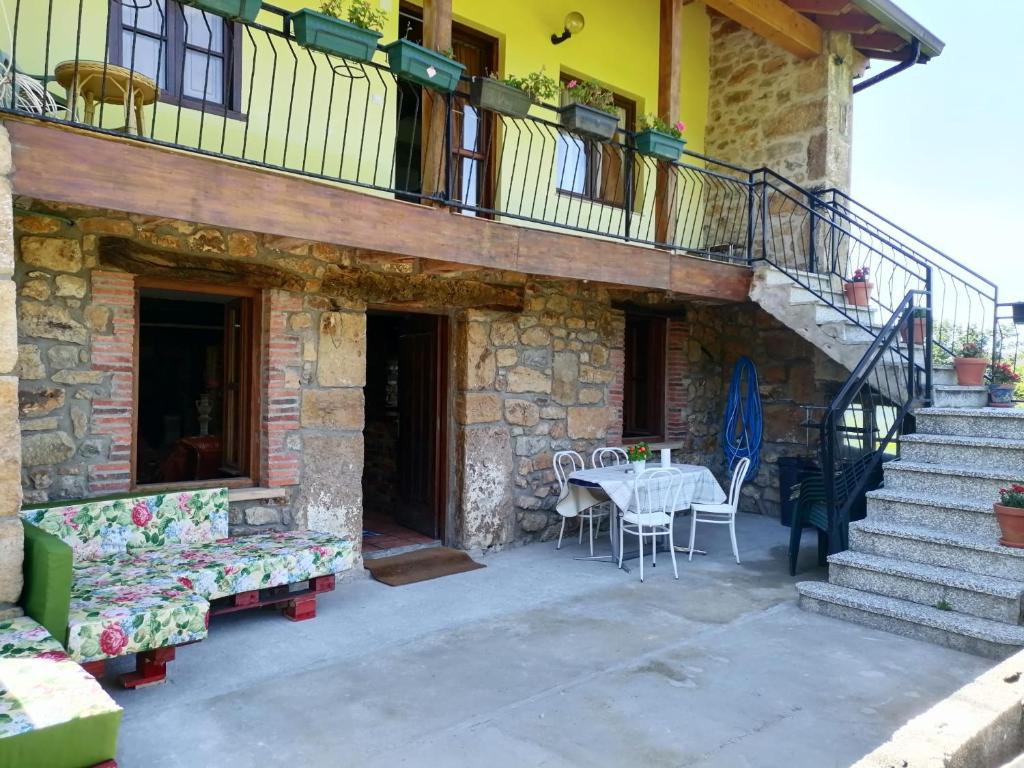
(864, 421)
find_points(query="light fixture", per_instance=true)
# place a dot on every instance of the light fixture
(573, 26)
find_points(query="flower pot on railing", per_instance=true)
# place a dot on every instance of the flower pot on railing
(1011, 525)
(970, 371)
(589, 121)
(920, 329)
(1001, 395)
(858, 292)
(658, 144)
(335, 36)
(417, 64)
(496, 96)
(238, 10)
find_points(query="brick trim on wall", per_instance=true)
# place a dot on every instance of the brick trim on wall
(282, 364)
(676, 377)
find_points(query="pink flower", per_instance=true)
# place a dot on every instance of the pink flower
(185, 582)
(141, 514)
(52, 655)
(571, 84)
(69, 517)
(680, 126)
(183, 500)
(229, 569)
(322, 551)
(113, 640)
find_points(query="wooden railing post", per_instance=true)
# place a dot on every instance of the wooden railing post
(670, 66)
(437, 34)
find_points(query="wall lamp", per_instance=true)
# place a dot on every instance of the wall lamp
(573, 26)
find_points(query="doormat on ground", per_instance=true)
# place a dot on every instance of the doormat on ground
(420, 565)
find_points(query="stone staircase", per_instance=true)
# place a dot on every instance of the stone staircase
(926, 561)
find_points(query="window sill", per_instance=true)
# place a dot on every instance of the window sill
(256, 493)
(208, 107)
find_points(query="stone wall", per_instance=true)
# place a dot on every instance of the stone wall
(770, 108)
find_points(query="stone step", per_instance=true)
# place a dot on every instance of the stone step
(979, 553)
(955, 396)
(847, 333)
(823, 295)
(959, 631)
(986, 422)
(955, 481)
(823, 313)
(942, 375)
(984, 596)
(774, 277)
(993, 453)
(967, 516)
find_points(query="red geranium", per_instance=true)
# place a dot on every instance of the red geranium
(141, 514)
(113, 640)
(52, 655)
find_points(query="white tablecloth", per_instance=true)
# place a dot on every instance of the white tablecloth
(616, 483)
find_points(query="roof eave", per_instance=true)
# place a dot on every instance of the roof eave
(898, 21)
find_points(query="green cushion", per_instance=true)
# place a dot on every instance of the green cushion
(74, 744)
(48, 572)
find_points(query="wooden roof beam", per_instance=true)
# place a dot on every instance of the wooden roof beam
(774, 21)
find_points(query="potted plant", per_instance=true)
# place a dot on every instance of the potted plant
(969, 359)
(237, 10)
(659, 139)
(858, 289)
(589, 109)
(639, 453)
(512, 95)
(1004, 383)
(1010, 516)
(426, 67)
(326, 31)
(919, 319)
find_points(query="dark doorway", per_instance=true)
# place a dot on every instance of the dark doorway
(404, 486)
(195, 397)
(472, 158)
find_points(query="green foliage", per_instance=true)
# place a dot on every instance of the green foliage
(948, 336)
(360, 12)
(638, 452)
(656, 123)
(537, 85)
(1012, 496)
(942, 605)
(589, 94)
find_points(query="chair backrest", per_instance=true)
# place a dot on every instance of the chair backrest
(739, 474)
(565, 463)
(658, 490)
(96, 528)
(609, 457)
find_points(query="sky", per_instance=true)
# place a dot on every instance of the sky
(939, 149)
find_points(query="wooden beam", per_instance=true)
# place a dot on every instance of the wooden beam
(670, 68)
(437, 34)
(65, 165)
(774, 21)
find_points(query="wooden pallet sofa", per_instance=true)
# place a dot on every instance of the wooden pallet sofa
(53, 713)
(140, 574)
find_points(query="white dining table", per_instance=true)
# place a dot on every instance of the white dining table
(589, 487)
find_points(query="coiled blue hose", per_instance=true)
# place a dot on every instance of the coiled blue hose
(744, 423)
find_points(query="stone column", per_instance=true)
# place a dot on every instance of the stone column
(11, 544)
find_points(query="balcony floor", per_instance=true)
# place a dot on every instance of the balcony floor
(540, 659)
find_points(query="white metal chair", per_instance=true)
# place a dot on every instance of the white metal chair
(652, 513)
(722, 514)
(565, 463)
(608, 457)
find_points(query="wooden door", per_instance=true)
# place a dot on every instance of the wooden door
(472, 129)
(420, 426)
(235, 394)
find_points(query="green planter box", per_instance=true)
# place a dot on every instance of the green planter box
(424, 66)
(596, 123)
(496, 96)
(658, 144)
(336, 36)
(241, 10)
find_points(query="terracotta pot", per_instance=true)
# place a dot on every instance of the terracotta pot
(970, 371)
(1001, 395)
(920, 329)
(1011, 524)
(858, 294)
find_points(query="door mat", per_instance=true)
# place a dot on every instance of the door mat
(420, 565)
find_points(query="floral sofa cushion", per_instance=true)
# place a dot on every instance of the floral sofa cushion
(116, 619)
(40, 686)
(227, 567)
(103, 527)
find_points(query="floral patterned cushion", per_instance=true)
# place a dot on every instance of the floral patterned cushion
(39, 685)
(227, 567)
(117, 619)
(103, 527)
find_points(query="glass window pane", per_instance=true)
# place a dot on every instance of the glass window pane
(470, 128)
(571, 164)
(204, 30)
(145, 55)
(470, 179)
(144, 14)
(200, 80)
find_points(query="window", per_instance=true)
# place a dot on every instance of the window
(594, 169)
(195, 409)
(190, 54)
(643, 393)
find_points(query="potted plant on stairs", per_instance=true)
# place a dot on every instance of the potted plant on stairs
(589, 109)
(969, 359)
(354, 39)
(858, 289)
(236, 10)
(512, 95)
(659, 139)
(1010, 516)
(919, 319)
(1004, 383)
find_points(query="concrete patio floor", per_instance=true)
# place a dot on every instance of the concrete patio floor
(543, 660)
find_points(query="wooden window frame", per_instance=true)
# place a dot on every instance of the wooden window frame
(654, 386)
(254, 366)
(175, 47)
